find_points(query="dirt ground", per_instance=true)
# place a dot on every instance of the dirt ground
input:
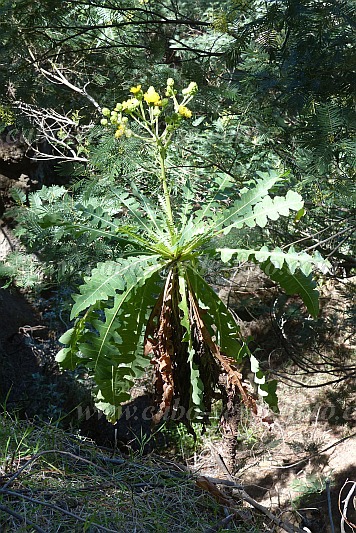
(308, 450)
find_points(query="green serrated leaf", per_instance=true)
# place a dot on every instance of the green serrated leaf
(217, 317)
(196, 384)
(292, 259)
(111, 346)
(295, 283)
(268, 392)
(256, 207)
(108, 278)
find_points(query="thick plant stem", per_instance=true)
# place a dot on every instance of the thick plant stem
(167, 198)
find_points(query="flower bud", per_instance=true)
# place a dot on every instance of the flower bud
(191, 89)
(105, 111)
(120, 131)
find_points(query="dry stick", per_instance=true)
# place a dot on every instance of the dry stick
(231, 504)
(221, 524)
(21, 518)
(346, 503)
(56, 508)
(309, 456)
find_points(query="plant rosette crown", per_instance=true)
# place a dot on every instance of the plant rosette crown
(152, 304)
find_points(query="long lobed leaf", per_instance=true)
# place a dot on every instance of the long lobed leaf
(108, 278)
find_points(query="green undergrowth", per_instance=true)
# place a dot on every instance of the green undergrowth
(52, 481)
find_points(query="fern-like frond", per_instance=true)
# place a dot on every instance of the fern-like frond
(251, 210)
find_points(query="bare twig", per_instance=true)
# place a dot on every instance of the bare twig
(60, 131)
(287, 526)
(58, 77)
(343, 512)
(221, 524)
(54, 128)
(207, 484)
(312, 455)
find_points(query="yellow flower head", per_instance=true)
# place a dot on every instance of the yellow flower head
(184, 111)
(152, 97)
(135, 90)
(120, 131)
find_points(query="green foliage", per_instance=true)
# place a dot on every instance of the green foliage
(275, 83)
(153, 297)
(23, 268)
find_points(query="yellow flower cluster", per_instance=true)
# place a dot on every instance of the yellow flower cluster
(120, 131)
(184, 111)
(152, 97)
(134, 107)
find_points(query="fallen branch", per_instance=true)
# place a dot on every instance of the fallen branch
(287, 526)
(221, 524)
(346, 501)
